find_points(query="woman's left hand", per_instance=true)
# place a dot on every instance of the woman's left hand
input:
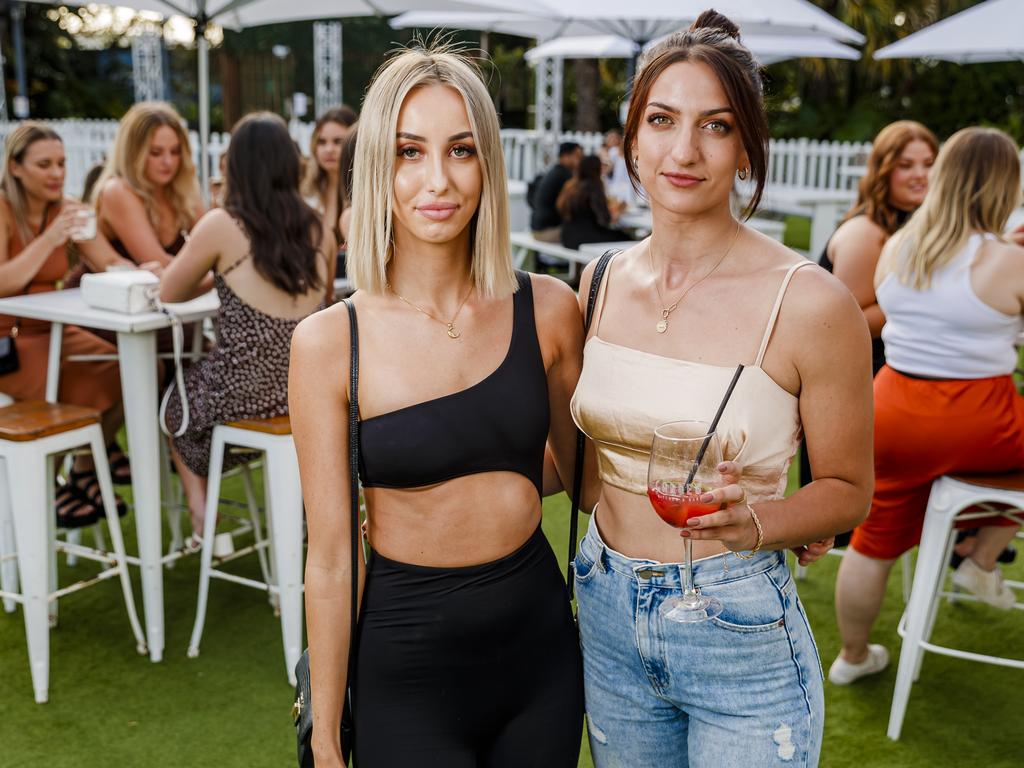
(814, 551)
(732, 525)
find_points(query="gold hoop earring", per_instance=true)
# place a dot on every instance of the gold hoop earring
(742, 174)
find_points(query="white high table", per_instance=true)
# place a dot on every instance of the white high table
(136, 349)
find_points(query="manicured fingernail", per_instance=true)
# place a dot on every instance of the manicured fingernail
(706, 498)
(685, 534)
(693, 522)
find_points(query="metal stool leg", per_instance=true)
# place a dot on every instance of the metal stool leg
(209, 532)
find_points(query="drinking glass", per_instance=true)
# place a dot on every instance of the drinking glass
(684, 464)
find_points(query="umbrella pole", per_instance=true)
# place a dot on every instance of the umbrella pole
(204, 107)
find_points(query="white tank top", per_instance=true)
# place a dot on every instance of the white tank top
(946, 331)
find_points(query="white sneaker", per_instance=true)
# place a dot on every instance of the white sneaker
(843, 672)
(987, 586)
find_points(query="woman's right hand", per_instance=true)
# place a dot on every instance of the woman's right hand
(67, 221)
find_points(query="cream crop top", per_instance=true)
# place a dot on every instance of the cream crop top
(624, 393)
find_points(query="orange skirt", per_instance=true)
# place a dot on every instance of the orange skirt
(93, 384)
(926, 429)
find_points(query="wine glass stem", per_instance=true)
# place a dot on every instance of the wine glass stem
(689, 593)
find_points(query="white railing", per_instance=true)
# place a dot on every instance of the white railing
(87, 143)
(801, 165)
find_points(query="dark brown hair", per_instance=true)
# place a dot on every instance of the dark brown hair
(263, 194)
(585, 185)
(715, 41)
(873, 193)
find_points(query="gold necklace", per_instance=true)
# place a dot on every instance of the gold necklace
(449, 324)
(662, 325)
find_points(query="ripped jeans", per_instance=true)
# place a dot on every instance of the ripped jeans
(743, 689)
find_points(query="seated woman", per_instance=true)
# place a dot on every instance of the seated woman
(584, 207)
(36, 224)
(324, 183)
(952, 290)
(148, 198)
(348, 157)
(273, 264)
(893, 187)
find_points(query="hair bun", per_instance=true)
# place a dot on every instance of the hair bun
(712, 19)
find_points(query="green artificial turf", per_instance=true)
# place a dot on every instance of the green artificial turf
(230, 706)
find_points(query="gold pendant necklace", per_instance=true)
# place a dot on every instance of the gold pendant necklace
(448, 324)
(662, 325)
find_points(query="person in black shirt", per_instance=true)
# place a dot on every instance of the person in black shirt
(583, 205)
(545, 220)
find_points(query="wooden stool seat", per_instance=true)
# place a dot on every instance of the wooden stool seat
(32, 419)
(278, 425)
(1008, 481)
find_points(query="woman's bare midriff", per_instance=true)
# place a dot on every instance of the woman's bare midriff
(629, 525)
(465, 521)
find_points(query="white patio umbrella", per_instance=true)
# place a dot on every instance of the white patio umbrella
(638, 20)
(769, 49)
(240, 14)
(991, 31)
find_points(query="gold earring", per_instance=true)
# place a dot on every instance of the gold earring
(742, 174)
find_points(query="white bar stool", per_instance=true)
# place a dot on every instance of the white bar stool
(950, 501)
(31, 433)
(283, 501)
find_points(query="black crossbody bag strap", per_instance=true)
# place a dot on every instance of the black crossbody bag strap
(577, 480)
(353, 470)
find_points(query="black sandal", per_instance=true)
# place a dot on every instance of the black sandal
(120, 467)
(88, 485)
(70, 501)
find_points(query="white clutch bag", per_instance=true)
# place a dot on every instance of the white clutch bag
(127, 291)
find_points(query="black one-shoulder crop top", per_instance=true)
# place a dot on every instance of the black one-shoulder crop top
(498, 424)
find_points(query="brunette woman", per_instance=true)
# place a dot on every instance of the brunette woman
(467, 654)
(894, 186)
(583, 206)
(273, 265)
(896, 181)
(37, 226)
(674, 316)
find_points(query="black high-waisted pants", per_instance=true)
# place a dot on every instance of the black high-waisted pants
(475, 667)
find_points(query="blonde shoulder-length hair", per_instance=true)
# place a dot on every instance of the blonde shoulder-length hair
(127, 162)
(371, 236)
(974, 187)
(15, 148)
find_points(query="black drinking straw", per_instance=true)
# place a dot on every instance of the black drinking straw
(714, 424)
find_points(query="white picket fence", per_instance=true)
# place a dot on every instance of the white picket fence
(800, 165)
(87, 142)
(797, 163)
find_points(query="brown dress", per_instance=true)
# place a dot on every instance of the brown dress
(94, 384)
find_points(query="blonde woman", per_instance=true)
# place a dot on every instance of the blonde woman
(37, 224)
(323, 186)
(148, 199)
(952, 290)
(467, 654)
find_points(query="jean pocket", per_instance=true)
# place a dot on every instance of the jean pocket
(584, 567)
(750, 605)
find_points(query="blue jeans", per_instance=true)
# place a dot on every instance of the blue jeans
(743, 689)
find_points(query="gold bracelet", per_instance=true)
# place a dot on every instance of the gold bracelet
(760, 536)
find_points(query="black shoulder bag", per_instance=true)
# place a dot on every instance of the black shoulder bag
(302, 711)
(577, 480)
